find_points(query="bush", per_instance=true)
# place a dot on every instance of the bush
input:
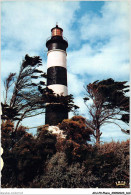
(76, 129)
(110, 164)
(77, 152)
(120, 165)
(60, 175)
(24, 155)
(49, 161)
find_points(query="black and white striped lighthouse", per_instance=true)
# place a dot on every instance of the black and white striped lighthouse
(56, 75)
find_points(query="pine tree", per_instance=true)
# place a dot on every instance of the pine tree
(109, 104)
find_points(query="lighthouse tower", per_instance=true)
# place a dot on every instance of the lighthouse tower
(56, 75)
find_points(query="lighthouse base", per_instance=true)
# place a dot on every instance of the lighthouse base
(55, 113)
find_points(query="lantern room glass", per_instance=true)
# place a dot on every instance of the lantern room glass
(57, 32)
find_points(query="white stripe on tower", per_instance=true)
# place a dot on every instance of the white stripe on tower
(57, 70)
(59, 89)
(56, 57)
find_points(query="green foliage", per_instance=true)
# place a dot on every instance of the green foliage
(110, 164)
(30, 94)
(112, 93)
(25, 100)
(60, 175)
(45, 143)
(109, 104)
(76, 152)
(77, 135)
(24, 155)
(76, 129)
(102, 168)
(48, 161)
(119, 162)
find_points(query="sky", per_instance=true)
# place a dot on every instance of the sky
(98, 37)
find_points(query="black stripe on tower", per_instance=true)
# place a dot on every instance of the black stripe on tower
(57, 75)
(56, 42)
(55, 113)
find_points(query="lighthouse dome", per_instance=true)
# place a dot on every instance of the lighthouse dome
(56, 41)
(56, 31)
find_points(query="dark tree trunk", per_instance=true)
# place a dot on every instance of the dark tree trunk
(98, 134)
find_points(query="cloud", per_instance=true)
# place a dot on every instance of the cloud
(114, 21)
(106, 61)
(105, 51)
(29, 23)
(75, 84)
(26, 25)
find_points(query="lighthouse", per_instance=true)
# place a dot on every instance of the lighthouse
(56, 75)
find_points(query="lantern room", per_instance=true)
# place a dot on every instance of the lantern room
(56, 41)
(56, 31)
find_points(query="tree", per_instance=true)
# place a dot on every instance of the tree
(24, 155)
(30, 94)
(26, 99)
(61, 175)
(34, 161)
(109, 104)
(77, 135)
(76, 129)
(11, 141)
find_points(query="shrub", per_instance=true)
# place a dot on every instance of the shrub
(24, 155)
(60, 175)
(49, 161)
(76, 129)
(110, 164)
